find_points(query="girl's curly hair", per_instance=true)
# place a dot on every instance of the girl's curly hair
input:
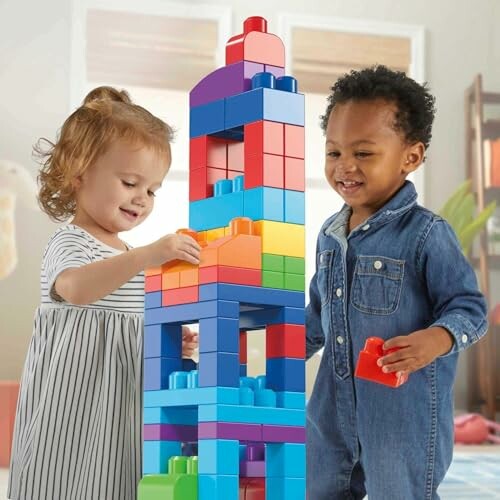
(107, 114)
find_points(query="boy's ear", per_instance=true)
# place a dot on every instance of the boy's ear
(413, 157)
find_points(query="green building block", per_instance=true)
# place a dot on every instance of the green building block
(295, 282)
(295, 265)
(271, 262)
(271, 279)
(181, 483)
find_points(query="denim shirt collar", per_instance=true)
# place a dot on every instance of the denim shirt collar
(399, 204)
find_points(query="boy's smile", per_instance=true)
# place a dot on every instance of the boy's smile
(367, 158)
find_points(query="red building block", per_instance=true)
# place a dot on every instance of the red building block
(205, 151)
(8, 402)
(265, 137)
(367, 368)
(252, 488)
(255, 44)
(295, 179)
(285, 341)
(243, 347)
(152, 283)
(264, 170)
(228, 274)
(294, 141)
(202, 180)
(184, 295)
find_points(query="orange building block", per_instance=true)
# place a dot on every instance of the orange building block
(152, 271)
(9, 391)
(367, 368)
(170, 279)
(189, 277)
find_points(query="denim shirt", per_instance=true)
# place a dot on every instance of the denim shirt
(401, 271)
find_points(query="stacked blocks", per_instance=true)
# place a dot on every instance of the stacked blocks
(246, 198)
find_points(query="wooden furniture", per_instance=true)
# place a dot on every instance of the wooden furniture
(483, 359)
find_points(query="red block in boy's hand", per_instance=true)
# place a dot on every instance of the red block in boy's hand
(368, 369)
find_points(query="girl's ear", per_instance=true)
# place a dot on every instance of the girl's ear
(76, 182)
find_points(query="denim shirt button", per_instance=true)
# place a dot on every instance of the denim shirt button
(464, 339)
(338, 292)
(340, 340)
(366, 227)
(377, 265)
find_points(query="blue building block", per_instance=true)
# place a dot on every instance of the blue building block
(178, 416)
(156, 455)
(218, 456)
(264, 104)
(152, 300)
(243, 370)
(219, 334)
(257, 319)
(217, 487)
(286, 374)
(191, 397)
(285, 399)
(219, 369)
(255, 295)
(157, 371)
(192, 313)
(163, 341)
(295, 211)
(214, 212)
(264, 203)
(286, 460)
(285, 488)
(207, 118)
(250, 415)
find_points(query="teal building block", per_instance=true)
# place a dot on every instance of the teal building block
(285, 399)
(286, 460)
(264, 203)
(218, 456)
(218, 487)
(217, 211)
(169, 415)
(191, 397)
(295, 211)
(285, 488)
(156, 455)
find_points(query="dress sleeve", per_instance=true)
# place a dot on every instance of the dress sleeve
(67, 249)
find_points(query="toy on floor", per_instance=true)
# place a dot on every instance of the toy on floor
(246, 209)
(475, 429)
(367, 368)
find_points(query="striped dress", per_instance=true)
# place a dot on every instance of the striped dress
(78, 431)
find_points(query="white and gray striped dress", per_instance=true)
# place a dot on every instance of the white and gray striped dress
(78, 431)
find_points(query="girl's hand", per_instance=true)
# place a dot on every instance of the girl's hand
(189, 342)
(416, 350)
(171, 247)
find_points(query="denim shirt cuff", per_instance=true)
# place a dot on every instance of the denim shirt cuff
(462, 331)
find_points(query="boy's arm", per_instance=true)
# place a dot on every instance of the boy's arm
(458, 305)
(315, 337)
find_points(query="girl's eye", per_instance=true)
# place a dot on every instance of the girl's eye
(333, 154)
(363, 154)
(128, 184)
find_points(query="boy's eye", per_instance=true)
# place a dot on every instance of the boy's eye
(333, 154)
(128, 184)
(363, 154)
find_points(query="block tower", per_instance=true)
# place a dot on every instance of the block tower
(213, 433)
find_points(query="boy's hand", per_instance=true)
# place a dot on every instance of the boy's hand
(416, 350)
(189, 342)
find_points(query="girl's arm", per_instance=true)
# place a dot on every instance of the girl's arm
(89, 283)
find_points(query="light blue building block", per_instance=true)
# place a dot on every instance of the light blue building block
(295, 207)
(264, 203)
(212, 487)
(177, 416)
(218, 456)
(156, 455)
(191, 397)
(286, 460)
(285, 488)
(217, 211)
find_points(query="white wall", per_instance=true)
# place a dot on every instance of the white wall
(462, 39)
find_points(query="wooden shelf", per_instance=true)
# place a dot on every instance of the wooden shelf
(493, 262)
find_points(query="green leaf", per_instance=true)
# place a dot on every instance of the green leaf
(467, 235)
(464, 213)
(449, 209)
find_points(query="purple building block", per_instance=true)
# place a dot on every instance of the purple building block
(224, 82)
(277, 71)
(252, 469)
(170, 432)
(255, 452)
(227, 430)
(283, 434)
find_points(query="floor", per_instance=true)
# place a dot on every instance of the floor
(473, 475)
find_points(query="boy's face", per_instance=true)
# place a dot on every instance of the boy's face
(367, 160)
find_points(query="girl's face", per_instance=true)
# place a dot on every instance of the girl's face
(367, 161)
(117, 192)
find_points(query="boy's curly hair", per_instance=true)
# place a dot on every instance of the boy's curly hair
(415, 105)
(106, 115)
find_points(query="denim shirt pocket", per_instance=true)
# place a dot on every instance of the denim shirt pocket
(377, 284)
(324, 266)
